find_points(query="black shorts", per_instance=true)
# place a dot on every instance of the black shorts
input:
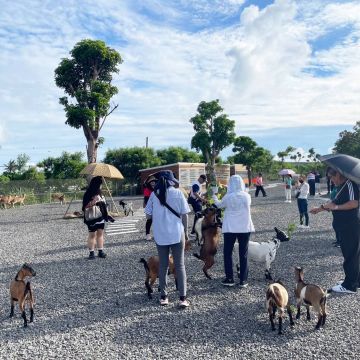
(94, 227)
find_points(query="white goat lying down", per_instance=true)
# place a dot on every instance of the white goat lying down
(265, 252)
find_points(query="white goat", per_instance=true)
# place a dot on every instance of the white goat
(127, 207)
(265, 252)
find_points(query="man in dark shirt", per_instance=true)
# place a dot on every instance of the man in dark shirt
(346, 223)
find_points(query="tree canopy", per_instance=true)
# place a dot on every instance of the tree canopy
(254, 157)
(130, 160)
(174, 154)
(349, 142)
(214, 131)
(66, 166)
(86, 78)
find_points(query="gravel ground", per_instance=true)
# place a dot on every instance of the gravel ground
(99, 309)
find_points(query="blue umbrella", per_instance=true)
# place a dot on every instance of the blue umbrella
(346, 165)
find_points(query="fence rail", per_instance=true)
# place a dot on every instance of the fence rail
(43, 192)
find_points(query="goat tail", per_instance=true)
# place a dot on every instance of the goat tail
(146, 266)
(271, 295)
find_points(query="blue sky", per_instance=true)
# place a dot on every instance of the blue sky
(286, 71)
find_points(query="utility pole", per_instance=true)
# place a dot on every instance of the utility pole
(147, 142)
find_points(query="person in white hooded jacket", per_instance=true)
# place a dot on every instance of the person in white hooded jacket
(237, 224)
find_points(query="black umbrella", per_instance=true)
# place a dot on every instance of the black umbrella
(346, 165)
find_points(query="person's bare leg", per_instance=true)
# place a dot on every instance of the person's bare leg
(91, 241)
(100, 242)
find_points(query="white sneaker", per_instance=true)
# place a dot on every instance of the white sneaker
(341, 290)
(148, 237)
(306, 227)
(164, 302)
(301, 226)
(183, 304)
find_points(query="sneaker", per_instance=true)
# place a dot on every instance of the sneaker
(341, 290)
(101, 254)
(183, 304)
(228, 282)
(301, 226)
(243, 284)
(91, 255)
(306, 227)
(164, 301)
(148, 237)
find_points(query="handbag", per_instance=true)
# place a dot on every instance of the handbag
(93, 213)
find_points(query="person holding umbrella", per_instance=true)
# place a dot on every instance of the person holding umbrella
(346, 223)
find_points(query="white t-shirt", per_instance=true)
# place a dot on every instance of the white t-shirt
(237, 217)
(304, 191)
(167, 227)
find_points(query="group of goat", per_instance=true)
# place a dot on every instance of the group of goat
(207, 229)
(12, 200)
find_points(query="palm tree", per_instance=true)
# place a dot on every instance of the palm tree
(11, 167)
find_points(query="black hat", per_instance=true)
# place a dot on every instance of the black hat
(167, 174)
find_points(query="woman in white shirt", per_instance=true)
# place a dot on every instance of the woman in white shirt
(170, 231)
(302, 194)
(237, 224)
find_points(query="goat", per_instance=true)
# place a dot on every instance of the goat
(311, 295)
(127, 207)
(152, 272)
(277, 299)
(22, 292)
(211, 236)
(199, 217)
(6, 200)
(265, 252)
(59, 197)
(18, 200)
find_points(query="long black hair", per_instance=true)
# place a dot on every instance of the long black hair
(92, 190)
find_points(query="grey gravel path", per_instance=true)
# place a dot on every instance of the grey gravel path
(99, 309)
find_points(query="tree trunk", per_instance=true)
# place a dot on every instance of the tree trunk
(248, 168)
(91, 150)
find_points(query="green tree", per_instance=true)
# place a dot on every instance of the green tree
(174, 154)
(33, 174)
(10, 168)
(66, 166)
(21, 162)
(312, 155)
(86, 78)
(283, 154)
(130, 160)
(254, 157)
(214, 132)
(349, 142)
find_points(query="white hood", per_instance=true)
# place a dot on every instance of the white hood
(236, 185)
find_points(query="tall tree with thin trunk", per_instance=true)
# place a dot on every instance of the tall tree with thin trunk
(214, 132)
(86, 78)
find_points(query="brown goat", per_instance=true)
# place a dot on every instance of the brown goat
(310, 295)
(6, 200)
(277, 299)
(22, 292)
(211, 237)
(60, 197)
(152, 272)
(18, 200)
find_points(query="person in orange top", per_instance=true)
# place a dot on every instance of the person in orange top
(259, 186)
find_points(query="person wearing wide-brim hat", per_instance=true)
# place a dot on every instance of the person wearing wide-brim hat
(168, 209)
(346, 223)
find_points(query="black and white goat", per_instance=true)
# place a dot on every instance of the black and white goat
(265, 252)
(199, 217)
(127, 207)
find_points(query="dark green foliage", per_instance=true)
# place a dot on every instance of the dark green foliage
(66, 166)
(214, 132)
(130, 160)
(254, 157)
(174, 154)
(86, 79)
(349, 142)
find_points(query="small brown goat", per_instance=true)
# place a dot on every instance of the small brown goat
(311, 295)
(277, 299)
(18, 200)
(59, 197)
(152, 272)
(22, 292)
(6, 200)
(211, 237)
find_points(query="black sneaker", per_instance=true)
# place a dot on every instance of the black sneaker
(228, 282)
(91, 255)
(243, 284)
(101, 254)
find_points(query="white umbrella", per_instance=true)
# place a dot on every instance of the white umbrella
(286, 172)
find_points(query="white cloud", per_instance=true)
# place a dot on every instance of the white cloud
(255, 66)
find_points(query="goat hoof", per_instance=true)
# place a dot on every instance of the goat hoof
(297, 317)
(292, 324)
(280, 333)
(308, 318)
